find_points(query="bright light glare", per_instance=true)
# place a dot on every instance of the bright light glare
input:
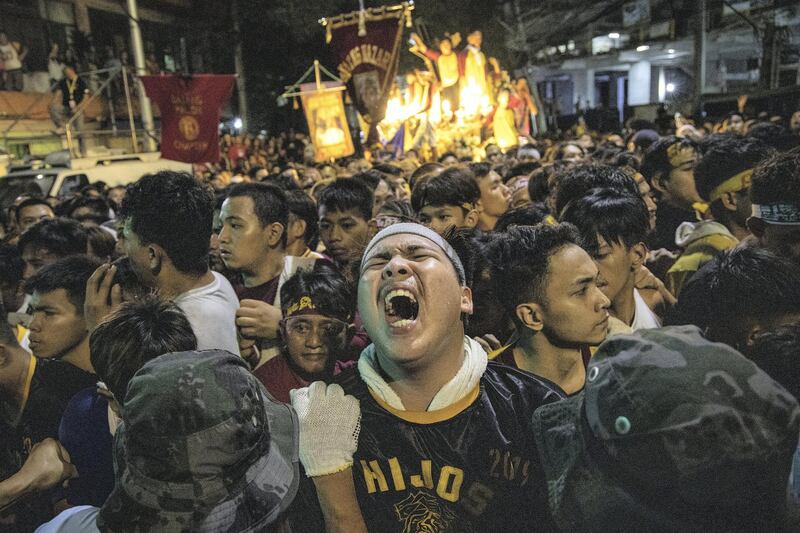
(670, 87)
(237, 123)
(642, 48)
(613, 35)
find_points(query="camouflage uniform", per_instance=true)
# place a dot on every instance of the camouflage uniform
(672, 432)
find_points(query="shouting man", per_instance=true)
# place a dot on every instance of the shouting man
(444, 440)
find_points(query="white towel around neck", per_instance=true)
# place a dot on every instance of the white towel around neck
(465, 380)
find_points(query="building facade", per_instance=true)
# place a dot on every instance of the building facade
(629, 58)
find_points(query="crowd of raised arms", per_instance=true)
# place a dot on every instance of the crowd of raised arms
(591, 332)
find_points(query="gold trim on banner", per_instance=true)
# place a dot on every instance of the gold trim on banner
(401, 11)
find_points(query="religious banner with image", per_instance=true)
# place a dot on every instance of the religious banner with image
(366, 46)
(327, 122)
(189, 107)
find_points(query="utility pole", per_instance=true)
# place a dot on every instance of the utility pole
(239, 64)
(138, 60)
(701, 22)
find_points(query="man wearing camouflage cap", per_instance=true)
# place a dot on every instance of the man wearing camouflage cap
(202, 447)
(671, 433)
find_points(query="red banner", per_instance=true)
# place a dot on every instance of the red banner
(189, 109)
(367, 64)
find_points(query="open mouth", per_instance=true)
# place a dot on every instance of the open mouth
(401, 308)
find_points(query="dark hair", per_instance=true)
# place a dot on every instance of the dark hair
(371, 178)
(774, 135)
(479, 170)
(135, 334)
(655, 164)
(624, 159)
(578, 181)
(538, 183)
(101, 243)
(454, 186)
(424, 170)
(303, 207)
(446, 155)
(520, 261)
(474, 249)
(269, 203)
(738, 286)
(11, 266)
(98, 209)
(724, 158)
(521, 169)
(777, 179)
(59, 236)
(617, 217)
(398, 208)
(28, 202)
(345, 194)
(527, 215)
(127, 279)
(776, 352)
(284, 180)
(7, 335)
(174, 211)
(69, 273)
(388, 169)
(331, 294)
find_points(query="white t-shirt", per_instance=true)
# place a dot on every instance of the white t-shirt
(211, 311)
(643, 317)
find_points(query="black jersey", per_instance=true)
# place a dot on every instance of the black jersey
(472, 466)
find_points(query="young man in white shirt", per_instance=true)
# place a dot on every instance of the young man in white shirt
(168, 218)
(614, 225)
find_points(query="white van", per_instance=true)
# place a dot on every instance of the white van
(59, 175)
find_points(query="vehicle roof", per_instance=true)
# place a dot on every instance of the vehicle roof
(29, 173)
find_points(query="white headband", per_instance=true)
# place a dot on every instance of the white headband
(416, 229)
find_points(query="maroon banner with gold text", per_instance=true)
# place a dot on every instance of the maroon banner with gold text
(190, 108)
(367, 64)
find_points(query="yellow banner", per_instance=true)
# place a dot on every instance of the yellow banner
(327, 124)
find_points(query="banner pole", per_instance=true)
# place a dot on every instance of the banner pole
(138, 59)
(316, 74)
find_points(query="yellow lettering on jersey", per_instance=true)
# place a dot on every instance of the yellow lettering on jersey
(445, 475)
(427, 479)
(397, 474)
(373, 473)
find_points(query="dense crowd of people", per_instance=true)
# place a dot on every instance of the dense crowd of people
(591, 332)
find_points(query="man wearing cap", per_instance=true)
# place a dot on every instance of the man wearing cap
(671, 433)
(723, 178)
(775, 197)
(444, 441)
(202, 447)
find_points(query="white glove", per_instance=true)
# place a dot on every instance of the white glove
(330, 422)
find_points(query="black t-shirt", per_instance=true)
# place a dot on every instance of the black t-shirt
(71, 90)
(52, 385)
(469, 467)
